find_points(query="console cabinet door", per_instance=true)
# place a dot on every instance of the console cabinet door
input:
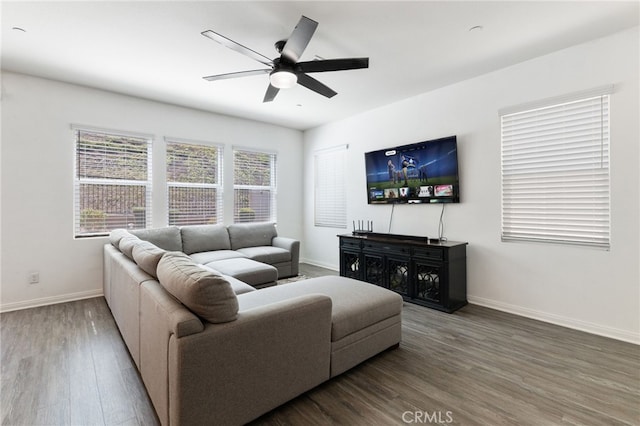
(350, 264)
(398, 274)
(430, 277)
(374, 271)
(429, 285)
(426, 274)
(351, 259)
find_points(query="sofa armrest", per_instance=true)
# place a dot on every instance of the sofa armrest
(293, 246)
(232, 373)
(161, 317)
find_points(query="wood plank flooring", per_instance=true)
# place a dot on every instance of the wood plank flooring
(66, 364)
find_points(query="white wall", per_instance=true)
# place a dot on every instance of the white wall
(37, 178)
(593, 290)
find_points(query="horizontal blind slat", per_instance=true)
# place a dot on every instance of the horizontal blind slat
(254, 186)
(330, 196)
(112, 186)
(555, 173)
(194, 182)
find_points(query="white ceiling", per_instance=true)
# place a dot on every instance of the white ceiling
(155, 50)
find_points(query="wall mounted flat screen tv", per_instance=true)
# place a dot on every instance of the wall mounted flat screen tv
(423, 172)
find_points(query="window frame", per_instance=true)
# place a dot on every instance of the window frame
(219, 186)
(272, 187)
(330, 189)
(555, 170)
(79, 181)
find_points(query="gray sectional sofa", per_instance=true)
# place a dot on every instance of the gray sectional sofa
(213, 349)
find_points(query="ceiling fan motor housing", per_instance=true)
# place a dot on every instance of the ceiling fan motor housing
(280, 45)
(286, 71)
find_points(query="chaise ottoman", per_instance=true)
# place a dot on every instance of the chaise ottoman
(254, 273)
(365, 318)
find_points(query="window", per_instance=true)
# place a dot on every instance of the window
(194, 183)
(112, 182)
(555, 171)
(330, 187)
(254, 186)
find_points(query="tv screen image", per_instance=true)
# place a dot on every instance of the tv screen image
(423, 172)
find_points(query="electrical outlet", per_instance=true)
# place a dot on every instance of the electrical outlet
(34, 277)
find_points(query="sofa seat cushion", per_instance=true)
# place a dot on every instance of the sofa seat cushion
(267, 254)
(356, 304)
(247, 270)
(204, 292)
(238, 286)
(212, 256)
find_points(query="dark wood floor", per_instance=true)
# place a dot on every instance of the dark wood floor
(67, 365)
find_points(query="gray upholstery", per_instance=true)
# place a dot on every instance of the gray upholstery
(147, 256)
(212, 256)
(247, 270)
(365, 318)
(108, 254)
(204, 292)
(251, 234)
(356, 304)
(266, 254)
(161, 317)
(234, 372)
(362, 345)
(238, 286)
(288, 269)
(274, 344)
(126, 244)
(166, 238)
(201, 238)
(126, 277)
(116, 235)
(211, 243)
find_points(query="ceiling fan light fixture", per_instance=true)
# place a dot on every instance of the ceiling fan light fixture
(283, 79)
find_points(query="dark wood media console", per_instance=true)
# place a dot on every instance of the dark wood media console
(432, 274)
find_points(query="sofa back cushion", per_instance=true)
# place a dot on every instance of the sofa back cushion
(126, 245)
(116, 235)
(206, 293)
(200, 238)
(251, 234)
(147, 256)
(166, 238)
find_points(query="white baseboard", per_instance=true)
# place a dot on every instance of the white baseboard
(588, 327)
(7, 307)
(320, 264)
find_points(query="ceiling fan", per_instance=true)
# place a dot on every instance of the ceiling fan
(285, 71)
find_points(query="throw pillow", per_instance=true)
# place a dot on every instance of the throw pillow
(204, 292)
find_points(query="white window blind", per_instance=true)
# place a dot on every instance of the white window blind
(555, 173)
(330, 187)
(194, 183)
(254, 186)
(112, 187)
